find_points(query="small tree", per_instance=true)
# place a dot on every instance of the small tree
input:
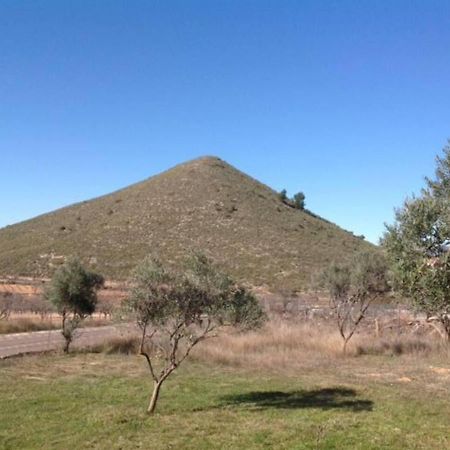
(283, 195)
(176, 311)
(352, 288)
(73, 291)
(299, 200)
(418, 247)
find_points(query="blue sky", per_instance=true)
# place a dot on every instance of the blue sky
(348, 101)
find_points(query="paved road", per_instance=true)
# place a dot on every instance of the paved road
(38, 341)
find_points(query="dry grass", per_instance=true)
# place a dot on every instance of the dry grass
(278, 344)
(123, 345)
(27, 324)
(314, 349)
(23, 323)
(402, 345)
(286, 345)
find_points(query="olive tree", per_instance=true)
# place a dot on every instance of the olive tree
(282, 195)
(352, 288)
(73, 292)
(299, 200)
(417, 244)
(176, 310)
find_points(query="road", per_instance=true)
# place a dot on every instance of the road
(38, 341)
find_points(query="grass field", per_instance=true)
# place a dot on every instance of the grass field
(98, 401)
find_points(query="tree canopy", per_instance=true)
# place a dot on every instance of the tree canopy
(73, 291)
(353, 287)
(417, 244)
(176, 310)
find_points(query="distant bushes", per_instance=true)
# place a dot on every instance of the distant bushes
(283, 196)
(297, 201)
(123, 345)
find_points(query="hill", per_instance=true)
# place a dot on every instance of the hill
(204, 204)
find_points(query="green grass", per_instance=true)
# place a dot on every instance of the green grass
(202, 205)
(97, 401)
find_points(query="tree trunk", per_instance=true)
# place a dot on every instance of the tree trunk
(345, 346)
(66, 345)
(446, 324)
(154, 398)
(64, 333)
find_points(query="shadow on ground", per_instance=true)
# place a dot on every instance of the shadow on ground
(330, 398)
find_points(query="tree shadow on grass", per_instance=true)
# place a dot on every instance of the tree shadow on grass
(329, 398)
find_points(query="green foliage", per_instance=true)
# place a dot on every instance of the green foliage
(364, 276)
(337, 280)
(417, 244)
(243, 310)
(74, 289)
(182, 308)
(73, 292)
(440, 186)
(283, 195)
(369, 274)
(160, 295)
(299, 200)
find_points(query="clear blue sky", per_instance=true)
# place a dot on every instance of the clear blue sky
(348, 101)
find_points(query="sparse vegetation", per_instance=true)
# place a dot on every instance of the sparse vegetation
(73, 292)
(297, 201)
(177, 311)
(5, 305)
(106, 308)
(186, 208)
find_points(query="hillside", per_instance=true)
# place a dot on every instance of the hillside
(204, 204)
